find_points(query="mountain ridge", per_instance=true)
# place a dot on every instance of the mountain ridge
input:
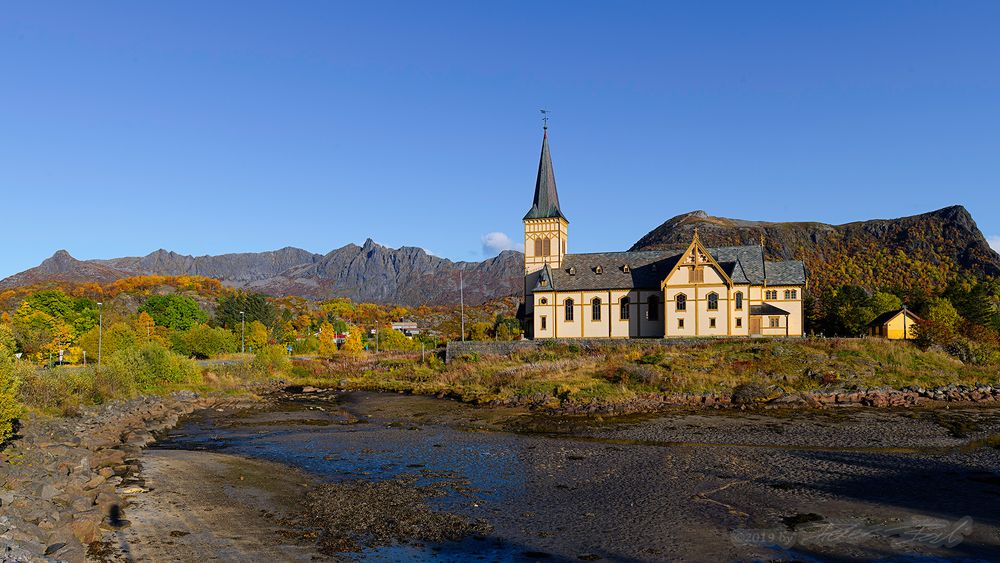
(922, 252)
(369, 272)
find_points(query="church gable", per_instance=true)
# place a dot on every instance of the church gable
(697, 266)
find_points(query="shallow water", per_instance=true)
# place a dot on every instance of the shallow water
(643, 488)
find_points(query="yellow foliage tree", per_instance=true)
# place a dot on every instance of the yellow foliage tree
(257, 337)
(327, 340)
(353, 345)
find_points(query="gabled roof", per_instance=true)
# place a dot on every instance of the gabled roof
(546, 202)
(647, 268)
(767, 309)
(889, 315)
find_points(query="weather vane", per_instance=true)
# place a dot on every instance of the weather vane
(545, 118)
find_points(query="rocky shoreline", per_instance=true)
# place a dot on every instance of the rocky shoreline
(64, 482)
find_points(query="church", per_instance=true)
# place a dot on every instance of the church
(700, 292)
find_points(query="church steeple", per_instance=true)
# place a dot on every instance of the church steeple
(546, 202)
(545, 226)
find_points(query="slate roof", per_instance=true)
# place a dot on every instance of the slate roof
(767, 309)
(647, 268)
(889, 315)
(546, 202)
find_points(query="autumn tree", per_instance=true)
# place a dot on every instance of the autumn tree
(256, 335)
(353, 343)
(327, 340)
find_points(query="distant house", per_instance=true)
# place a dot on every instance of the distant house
(407, 328)
(894, 325)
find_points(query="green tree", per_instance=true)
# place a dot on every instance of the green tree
(117, 336)
(203, 341)
(940, 311)
(176, 312)
(883, 302)
(255, 305)
(846, 311)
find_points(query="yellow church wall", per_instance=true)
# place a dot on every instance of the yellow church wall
(742, 314)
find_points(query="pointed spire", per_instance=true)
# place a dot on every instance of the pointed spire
(546, 202)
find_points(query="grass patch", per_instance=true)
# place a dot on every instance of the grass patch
(558, 371)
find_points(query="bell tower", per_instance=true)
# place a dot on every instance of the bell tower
(545, 227)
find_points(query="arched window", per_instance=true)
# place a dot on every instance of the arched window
(739, 300)
(624, 315)
(653, 311)
(713, 301)
(569, 309)
(681, 302)
(547, 246)
(538, 247)
(595, 309)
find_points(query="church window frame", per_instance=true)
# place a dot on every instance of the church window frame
(713, 301)
(739, 300)
(680, 302)
(595, 309)
(568, 305)
(625, 313)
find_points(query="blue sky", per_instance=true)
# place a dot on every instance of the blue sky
(211, 127)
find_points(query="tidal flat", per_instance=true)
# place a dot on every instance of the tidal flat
(390, 477)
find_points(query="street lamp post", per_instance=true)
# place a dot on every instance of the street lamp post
(100, 331)
(243, 332)
(461, 297)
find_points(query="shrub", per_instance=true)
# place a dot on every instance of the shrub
(150, 365)
(272, 359)
(10, 407)
(62, 391)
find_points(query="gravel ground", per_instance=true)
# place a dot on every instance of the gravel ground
(851, 484)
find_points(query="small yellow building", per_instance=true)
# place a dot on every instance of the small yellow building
(702, 291)
(900, 324)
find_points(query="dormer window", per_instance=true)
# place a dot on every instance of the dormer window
(543, 282)
(598, 270)
(572, 271)
(626, 269)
